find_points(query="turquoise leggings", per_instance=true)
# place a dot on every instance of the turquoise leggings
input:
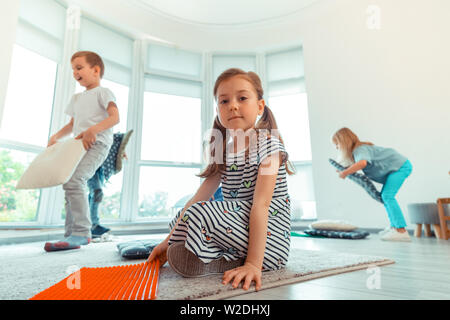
(393, 183)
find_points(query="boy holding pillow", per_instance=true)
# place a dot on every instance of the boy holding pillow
(93, 114)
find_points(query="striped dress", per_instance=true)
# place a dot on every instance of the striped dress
(216, 229)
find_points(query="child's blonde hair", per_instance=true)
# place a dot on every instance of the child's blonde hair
(348, 141)
(266, 121)
(92, 58)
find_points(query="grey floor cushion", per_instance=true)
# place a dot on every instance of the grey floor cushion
(337, 234)
(137, 249)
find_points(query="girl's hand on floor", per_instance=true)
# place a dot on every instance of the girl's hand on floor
(159, 252)
(246, 273)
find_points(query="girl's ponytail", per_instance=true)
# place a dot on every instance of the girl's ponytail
(267, 120)
(214, 167)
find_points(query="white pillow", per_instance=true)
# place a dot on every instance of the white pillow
(336, 225)
(54, 166)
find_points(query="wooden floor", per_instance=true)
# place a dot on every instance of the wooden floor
(421, 271)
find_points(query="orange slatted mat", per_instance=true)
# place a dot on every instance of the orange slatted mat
(128, 282)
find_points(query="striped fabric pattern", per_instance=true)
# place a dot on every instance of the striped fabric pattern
(215, 229)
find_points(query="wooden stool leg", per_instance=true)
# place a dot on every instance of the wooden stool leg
(418, 231)
(427, 230)
(442, 217)
(437, 231)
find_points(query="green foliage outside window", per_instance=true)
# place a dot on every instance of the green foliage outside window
(154, 205)
(15, 205)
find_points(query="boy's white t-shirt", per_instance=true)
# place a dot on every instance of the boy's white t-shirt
(89, 108)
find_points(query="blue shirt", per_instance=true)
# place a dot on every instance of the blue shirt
(218, 195)
(380, 161)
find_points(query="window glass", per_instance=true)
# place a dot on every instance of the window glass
(291, 114)
(171, 128)
(301, 191)
(165, 190)
(112, 191)
(29, 99)
(16, 205)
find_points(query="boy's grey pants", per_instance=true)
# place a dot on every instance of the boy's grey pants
(78, 222)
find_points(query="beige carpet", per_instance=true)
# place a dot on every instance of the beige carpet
(303, 265)
(27, 269)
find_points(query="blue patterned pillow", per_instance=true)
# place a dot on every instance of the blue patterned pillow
(337, 234)
(361, 180)
(121, 150)
(137, 249)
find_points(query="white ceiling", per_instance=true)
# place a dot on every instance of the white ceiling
(209, 25)
(224, 12)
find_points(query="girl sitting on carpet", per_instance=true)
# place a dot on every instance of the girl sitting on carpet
(383, 165)
(249, 231)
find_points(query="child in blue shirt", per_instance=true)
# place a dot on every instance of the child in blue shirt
(111, 166)
(383, 165)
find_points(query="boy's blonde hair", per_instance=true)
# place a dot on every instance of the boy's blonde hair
(92, 58)
(348, 141)
(267, 120)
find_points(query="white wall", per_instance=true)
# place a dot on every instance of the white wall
(392, 87)
(8, 22)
